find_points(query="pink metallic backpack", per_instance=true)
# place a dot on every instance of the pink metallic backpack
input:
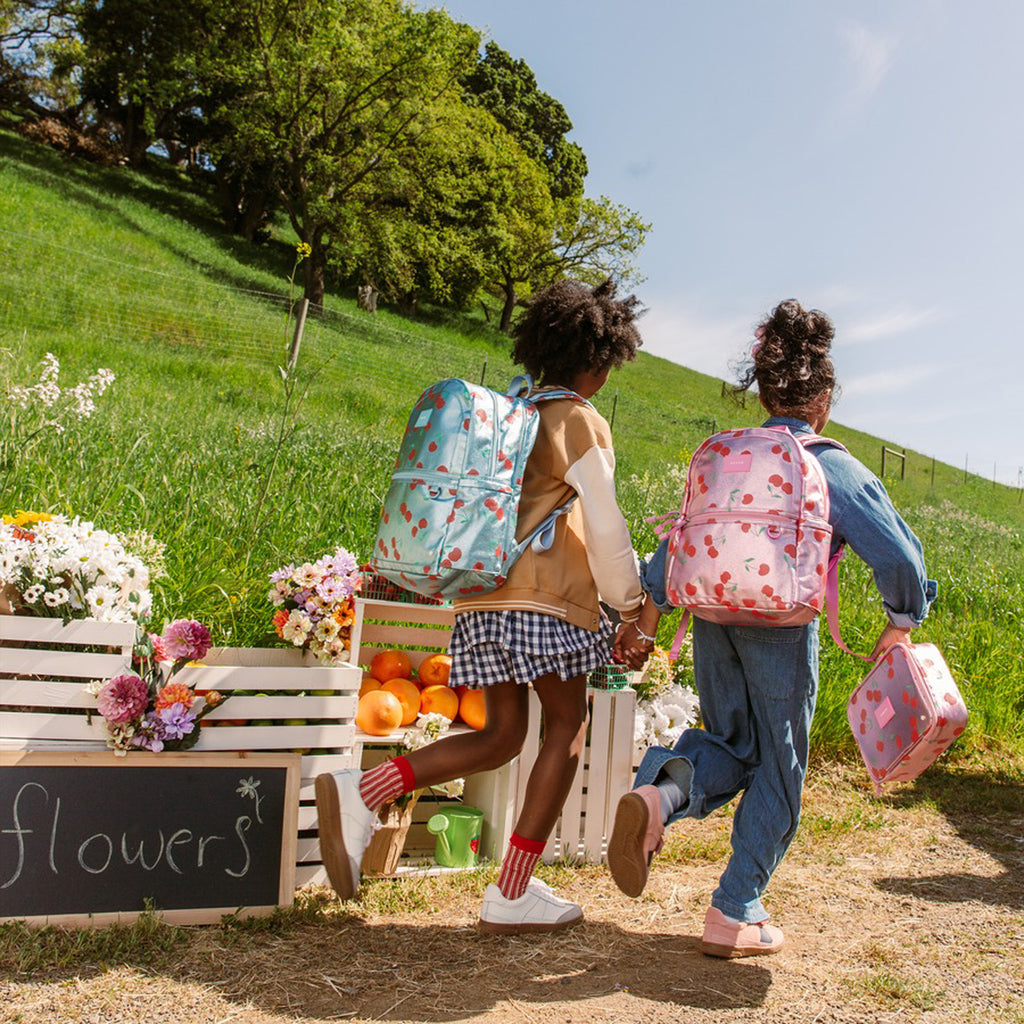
(750, 545)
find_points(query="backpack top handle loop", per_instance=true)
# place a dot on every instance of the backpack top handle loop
(520, 386)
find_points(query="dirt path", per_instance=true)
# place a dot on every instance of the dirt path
(910, 909)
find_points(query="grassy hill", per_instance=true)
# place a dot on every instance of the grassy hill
(200, 443)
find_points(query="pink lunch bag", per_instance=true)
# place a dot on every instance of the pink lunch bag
(905, 713)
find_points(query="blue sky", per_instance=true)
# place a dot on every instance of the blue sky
(865, 158)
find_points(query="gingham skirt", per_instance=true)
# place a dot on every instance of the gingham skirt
(495, 647)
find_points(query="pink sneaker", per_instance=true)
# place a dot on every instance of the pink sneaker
(636, 837)
(728, 938)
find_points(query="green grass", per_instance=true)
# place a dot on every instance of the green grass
(196, 443)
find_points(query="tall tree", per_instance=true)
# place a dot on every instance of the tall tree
(327, 91)
(507, 88)
(141, 64)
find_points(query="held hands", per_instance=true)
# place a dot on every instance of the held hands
(630, 649)
(890, 635)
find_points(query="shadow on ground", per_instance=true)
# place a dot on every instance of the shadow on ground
(449, 973)
(986, 808)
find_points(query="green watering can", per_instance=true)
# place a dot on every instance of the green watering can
(458, 835)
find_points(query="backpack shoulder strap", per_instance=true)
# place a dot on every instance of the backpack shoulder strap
(522, 386)
(811, 439)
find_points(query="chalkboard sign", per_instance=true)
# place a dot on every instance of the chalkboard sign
(92, 838)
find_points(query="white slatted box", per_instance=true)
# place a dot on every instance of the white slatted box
(262, 717)
(604, 774)
(421, 630)
(44, 667)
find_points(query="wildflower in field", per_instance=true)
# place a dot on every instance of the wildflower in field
(303, 250)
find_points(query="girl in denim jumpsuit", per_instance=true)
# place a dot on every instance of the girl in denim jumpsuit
(758, 685)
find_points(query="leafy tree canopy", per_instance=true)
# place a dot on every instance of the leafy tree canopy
(507, 88)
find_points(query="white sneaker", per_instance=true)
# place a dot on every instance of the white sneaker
(537, 910)
(345, 825)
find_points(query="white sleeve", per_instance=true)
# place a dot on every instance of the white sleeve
(605, 533)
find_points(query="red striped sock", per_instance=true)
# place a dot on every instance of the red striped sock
(387, 781)
(520, 859)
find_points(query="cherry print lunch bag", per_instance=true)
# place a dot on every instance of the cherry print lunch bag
(750, 545)
(905, 713)
(448, 526)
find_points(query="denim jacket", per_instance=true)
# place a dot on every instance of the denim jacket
(863, 516)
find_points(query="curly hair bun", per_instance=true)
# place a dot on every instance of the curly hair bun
(791, 365)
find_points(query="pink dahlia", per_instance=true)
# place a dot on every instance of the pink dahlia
(123, 699)
(186, 640)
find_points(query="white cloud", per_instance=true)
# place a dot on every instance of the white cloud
(691, 338)
(869, 56)
(886, 325)
(891, 382)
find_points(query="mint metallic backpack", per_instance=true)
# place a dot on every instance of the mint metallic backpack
(448, 526)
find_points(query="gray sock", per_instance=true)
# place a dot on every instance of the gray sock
(673, 785)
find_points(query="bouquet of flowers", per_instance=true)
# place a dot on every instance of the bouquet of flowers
(147, 709)
(67, 568)
(664, 707)
(429, 728)
(316, 604)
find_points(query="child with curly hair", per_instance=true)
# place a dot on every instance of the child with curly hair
(544, 627)
(758, 684)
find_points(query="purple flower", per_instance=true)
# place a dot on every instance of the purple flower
(186, 640)
(122, 699)
(175, 722)
(148, 735)
(282, 574)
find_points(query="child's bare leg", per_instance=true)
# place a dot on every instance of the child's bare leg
(564, 703)
(506, 708)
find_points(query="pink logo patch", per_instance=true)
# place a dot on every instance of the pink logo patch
(884, 713)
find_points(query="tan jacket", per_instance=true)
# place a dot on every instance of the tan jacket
(592, 553)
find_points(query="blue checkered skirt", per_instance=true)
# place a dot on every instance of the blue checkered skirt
(499, 646)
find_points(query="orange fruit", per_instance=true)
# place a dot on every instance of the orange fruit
(369, 683)
(439, 700)
(379, 713)
(471, 708)
(408, 694)
(390, 665)
(435, 669)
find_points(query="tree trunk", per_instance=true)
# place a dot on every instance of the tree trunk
(509, 305)
(366, 298)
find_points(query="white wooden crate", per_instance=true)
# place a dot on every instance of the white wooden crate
(44, 666)
(43, 688)
(604, 774)
(274, 690)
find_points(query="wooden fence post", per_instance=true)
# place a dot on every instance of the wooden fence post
(300, 323)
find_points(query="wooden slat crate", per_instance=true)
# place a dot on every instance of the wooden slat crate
(323, 697)
(604, 774)
(49, 668)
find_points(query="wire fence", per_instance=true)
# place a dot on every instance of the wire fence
(53, 291)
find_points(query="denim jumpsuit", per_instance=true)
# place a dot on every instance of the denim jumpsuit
(758, 686)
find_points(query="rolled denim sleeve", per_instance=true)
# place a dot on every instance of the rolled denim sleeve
(863, 516)
(652, 578)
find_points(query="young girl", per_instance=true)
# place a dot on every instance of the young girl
(545, 626)
(758, 685)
